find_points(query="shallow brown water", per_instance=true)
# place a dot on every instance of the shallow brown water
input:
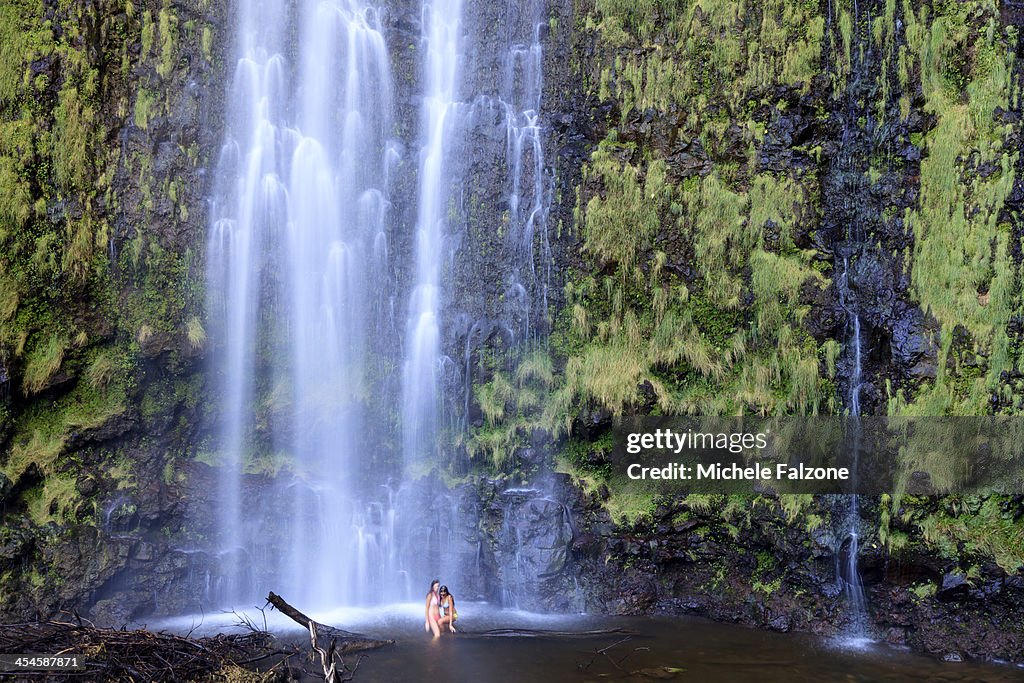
(680, 649)
(674, 649)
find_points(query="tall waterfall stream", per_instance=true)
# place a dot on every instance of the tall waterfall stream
(306, 285)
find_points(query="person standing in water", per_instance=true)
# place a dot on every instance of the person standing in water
(433, 615)
(447, 609)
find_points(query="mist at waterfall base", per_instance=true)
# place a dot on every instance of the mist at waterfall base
(315, 322)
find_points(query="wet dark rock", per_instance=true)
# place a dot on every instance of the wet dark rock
(86, 485)
(781, 623)
(915, 344)
(15, 543)
(920, 484)
(953, 585)
(6, 486)
(590, 425)
(896, 636)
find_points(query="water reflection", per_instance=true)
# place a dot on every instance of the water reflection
(680, 649)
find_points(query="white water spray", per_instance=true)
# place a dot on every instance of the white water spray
(299, 228)
(442, 21)
(529, 195)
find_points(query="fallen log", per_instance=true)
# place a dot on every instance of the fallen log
(346, 641)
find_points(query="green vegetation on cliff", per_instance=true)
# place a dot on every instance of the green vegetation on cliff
(962, 269)
(101, 282)
(700, 213)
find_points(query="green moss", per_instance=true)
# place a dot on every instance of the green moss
(269, 464)
(588, 457)
(962, 272)
(985, 527)
(102, 368)
(494, 397)
(23, 34)
(766, 566)
(146, 103)
(43, 361)
(630, 507)
(42, 432)
(53, 501)
(207, 43)
(513, 403)
(693, 347)
(74, 119)
(148, 33)
(496, 442)
(695, 51)
(196, 333)
(168, 36)
(623, 217)
(122, 472)
(924, 591)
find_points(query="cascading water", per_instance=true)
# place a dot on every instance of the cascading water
(529, 193)
(246, 211)
(336, 222)
(296, 251)
(302, 294)
(848, 191)
(529, 201)
(848, 572)
(442, 20)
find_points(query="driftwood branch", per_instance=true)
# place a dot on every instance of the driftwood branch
(606, 653)
(121, 655)
(347, 641)
(328, 660)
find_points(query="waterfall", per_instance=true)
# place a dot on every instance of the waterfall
(336, 218)
(441, 44)
(246, 212)
(848, 572)
(849, 194)
(526, 297)
(529, 192)
(296, 260)
(301, 291)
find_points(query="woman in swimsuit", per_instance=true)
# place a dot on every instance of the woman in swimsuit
(433, 610)
(447, 609)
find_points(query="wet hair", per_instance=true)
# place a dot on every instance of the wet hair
(437, 581)
(444, 590)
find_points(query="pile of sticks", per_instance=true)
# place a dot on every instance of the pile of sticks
(113, 655)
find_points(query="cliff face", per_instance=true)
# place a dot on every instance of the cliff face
(754, 177)
(110, 118)
(730, 183)
(741, 156)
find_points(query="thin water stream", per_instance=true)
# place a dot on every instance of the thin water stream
(847, 190)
